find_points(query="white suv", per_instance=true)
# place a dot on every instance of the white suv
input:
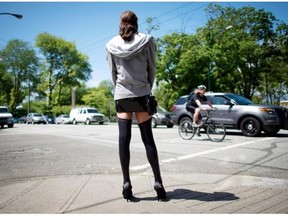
(86, 115)
(6, 117)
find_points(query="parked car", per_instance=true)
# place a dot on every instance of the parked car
(86, 115)
(35, 118)
(162, 117)
(63, 119)
(6, 118)
(49, 119)
(23, 119)
(237, 112)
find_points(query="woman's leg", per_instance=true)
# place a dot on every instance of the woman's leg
(144, 123)
(124, 125)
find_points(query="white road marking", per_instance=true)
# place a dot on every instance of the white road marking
(185, 157)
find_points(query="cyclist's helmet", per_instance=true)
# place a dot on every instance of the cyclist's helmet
(201, 87)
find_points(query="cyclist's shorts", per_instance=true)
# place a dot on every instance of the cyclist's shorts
(190, 109)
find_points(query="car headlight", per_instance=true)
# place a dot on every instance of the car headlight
(267, 110)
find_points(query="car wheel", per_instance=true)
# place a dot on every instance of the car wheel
(250, 127)
(74, 121)
(87, 122)
(153, 122)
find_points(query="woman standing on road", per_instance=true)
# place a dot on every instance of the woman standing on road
(132, 59)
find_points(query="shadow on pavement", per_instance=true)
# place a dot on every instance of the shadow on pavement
(191, 195)
(173, 195)
(201, 196)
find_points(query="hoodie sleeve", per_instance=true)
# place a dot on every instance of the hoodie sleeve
(112, 66)
(151, 67)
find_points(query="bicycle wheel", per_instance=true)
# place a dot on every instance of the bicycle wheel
(216, 131)
(185, 129)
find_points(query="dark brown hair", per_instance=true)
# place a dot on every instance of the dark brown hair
(128, 25)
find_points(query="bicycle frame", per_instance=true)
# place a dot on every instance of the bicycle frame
(208, 118)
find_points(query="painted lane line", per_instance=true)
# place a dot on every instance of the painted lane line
(185, 157)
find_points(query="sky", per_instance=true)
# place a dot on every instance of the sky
(90, 25)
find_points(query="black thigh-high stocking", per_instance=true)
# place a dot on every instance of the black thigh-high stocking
(151, 150)
(124, 126)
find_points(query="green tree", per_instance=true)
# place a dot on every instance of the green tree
(182, 64)
(6, 84)
(101, 97)
(165, 96)
(238, 53)
(63, 66)
(19, 60)
(233, 52)
(275, 75)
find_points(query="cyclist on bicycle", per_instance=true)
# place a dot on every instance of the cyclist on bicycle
(194, 105)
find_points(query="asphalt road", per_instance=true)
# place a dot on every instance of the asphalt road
(28, 151)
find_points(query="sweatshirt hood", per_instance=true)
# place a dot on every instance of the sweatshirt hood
(124, 49)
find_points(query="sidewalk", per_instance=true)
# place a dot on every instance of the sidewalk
(101, 193)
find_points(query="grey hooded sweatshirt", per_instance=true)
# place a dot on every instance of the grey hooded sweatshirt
(133, 65)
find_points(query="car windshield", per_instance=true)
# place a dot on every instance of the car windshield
(239, 99)
(37, 115)
(65, 116)
(3, 110)
(92, 111)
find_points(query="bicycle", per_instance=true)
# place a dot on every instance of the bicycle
(215, 131)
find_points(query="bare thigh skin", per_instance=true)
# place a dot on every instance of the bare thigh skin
(196, 115)
(140, 116)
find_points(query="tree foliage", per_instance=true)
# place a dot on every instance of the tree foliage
(239, 50)
(101, 97)
(6, 84)
(18, 70)
(63, 66)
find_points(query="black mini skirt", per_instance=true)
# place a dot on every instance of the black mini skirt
(135, 104)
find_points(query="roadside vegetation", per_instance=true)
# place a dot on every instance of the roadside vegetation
(242, 51)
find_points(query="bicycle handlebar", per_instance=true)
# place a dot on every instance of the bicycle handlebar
(210, 112)
(213, 109)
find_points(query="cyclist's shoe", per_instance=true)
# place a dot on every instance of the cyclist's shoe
(195, 125)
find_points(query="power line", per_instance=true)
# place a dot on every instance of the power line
(108, 37)
(166, 13)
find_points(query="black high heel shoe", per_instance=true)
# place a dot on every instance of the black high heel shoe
(161, 193)
(127, 191)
